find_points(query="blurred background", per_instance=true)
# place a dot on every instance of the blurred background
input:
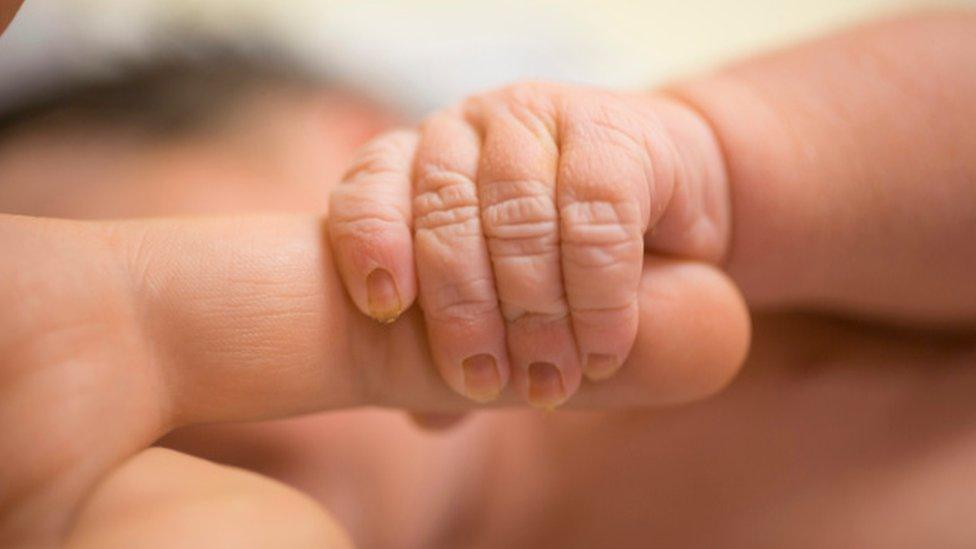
(131, 108)
(122, 108)
(421, 54)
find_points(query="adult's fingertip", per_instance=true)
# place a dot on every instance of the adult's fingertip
(695, 332)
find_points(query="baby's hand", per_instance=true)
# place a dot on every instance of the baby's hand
(527, 211)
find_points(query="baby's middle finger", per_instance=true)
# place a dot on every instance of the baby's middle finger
(517, 194)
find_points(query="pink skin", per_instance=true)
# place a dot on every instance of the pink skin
(149, 325)
(851, 169)
(531, 208)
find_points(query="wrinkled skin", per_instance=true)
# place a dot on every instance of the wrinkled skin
(838, 433)
(526, 211)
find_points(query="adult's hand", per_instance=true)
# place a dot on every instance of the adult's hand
(114, 333)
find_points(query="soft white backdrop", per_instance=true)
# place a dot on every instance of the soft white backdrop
(424, 53)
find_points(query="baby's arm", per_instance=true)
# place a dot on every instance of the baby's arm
(838, 164)
(852, 169)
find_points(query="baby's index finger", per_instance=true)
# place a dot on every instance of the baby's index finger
(370, 227)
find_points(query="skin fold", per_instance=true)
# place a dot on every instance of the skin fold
(842, 431)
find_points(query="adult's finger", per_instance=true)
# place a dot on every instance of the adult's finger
(161, 498)
(693, 338)
(852, 163)
(113, 333)
(245, 319)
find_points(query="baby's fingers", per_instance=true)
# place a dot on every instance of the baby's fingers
(603, 197)
(370, 227)
(457, 286)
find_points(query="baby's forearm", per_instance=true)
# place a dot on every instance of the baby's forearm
(851, 171)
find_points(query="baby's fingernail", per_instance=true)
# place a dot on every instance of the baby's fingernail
(381, 292)
(545, 385)
(599, 367)
(482, 381)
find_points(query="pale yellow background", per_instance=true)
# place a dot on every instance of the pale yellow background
(424, 53)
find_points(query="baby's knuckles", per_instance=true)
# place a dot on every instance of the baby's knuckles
(535, 104)
(610, 126)
(683, 192)
(602, 218)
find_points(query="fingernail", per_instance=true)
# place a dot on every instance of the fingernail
(381, 292)
(599, 367)
(482, 382)
(545, 385)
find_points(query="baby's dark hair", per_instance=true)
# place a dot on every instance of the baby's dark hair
(167, 95)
